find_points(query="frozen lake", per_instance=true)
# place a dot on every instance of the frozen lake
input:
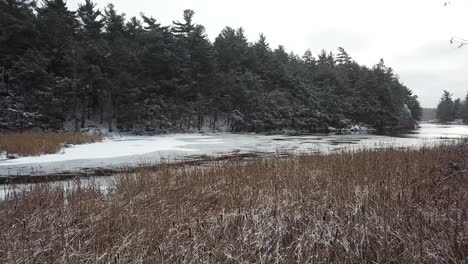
(124, 151)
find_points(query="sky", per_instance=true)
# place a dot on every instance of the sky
(412, 36)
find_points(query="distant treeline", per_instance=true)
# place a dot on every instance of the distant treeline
(429, 114)
(60, 66)
(449, 110)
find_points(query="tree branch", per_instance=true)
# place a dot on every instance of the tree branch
(458, 41)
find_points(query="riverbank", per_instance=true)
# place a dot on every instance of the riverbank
(403, 206)
(124, 151)
(87, 175)
(14, 145)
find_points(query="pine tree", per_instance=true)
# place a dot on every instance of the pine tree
(230, 50)
(195, 58)
(457, 108)
(343, 57)
(445, 108)
(90, 18)
(262, 53)
(414, 106)
(186, 27)
(92, 59)
(35, 93)
(58, 27)
(115, 66)
(58, 66)
(18, 32)
(464, 115)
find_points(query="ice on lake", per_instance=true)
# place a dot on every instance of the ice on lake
(124, 151)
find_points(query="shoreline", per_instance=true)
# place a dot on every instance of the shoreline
(121, 153)
(99, 172)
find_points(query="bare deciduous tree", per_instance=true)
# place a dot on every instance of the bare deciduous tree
(460, 42)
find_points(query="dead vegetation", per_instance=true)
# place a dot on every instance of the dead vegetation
(375, 206)
(37, 143)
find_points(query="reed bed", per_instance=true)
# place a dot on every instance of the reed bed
(371, 206)
(37, 143)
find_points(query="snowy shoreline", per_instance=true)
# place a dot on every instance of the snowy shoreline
(132, 151)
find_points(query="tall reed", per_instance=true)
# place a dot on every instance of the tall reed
(35, 143)
(371, 206)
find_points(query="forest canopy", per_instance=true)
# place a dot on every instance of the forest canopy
(92, 66)
(449, 110)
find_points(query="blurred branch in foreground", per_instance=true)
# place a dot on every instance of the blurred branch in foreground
(460, 42)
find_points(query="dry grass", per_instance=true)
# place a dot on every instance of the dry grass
(381, 206)
(34, 144)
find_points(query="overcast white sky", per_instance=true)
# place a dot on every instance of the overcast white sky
(412, 36)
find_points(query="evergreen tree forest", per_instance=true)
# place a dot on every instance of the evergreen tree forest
(449, 110)
(91, 66)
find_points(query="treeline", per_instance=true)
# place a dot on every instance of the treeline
(449, 110)
(61, 66)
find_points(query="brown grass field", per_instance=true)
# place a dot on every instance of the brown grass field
(35, 143)
(374, 206)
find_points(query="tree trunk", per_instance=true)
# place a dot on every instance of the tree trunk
(75, 92)
(101, 113)
(200, 120)
(110, 117)
(89, 104)
(181, 122)
(109, 111)
(172, 119)
(215, 119)
(83, 107)
(22, 123)
(189, 121)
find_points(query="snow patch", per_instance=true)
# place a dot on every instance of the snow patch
(109, 148)
(123, 150)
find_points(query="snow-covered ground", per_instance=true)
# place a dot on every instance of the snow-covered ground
(124, 151)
